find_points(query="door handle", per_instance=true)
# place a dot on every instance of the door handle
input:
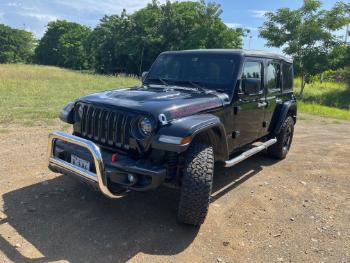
(262, 104)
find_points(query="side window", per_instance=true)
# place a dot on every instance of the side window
(287, 76)
(273, 77)
(252, 70)
(251, 78)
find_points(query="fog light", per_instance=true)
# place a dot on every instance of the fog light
(131, 178)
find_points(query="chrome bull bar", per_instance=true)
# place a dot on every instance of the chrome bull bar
(95, 151)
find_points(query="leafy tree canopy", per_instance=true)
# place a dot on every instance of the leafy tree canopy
(130, 43)
(307, 34)
(16, 46)
(63, 44)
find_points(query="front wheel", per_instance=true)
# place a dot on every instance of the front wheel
(196, 184)
(284, 140)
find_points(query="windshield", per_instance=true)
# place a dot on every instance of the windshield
(210, 71)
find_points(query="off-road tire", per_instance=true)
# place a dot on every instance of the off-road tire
(280, 149)
(196, 184)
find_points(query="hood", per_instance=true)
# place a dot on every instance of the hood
(171, 102)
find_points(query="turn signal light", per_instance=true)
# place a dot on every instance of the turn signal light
(186, 140)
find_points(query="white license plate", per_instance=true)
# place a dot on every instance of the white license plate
(75, 160)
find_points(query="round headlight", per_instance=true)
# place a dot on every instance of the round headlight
(145, 126)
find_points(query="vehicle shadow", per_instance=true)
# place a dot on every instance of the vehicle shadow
(65, 220)
(226, 179)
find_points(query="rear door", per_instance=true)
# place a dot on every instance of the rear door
(273, 91)
(249, 108)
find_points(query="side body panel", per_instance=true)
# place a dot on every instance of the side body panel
(250, 121)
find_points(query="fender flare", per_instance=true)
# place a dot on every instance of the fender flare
(287, 108)
(67, 113)
(195, 125)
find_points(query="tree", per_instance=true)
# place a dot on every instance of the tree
(183, 25)
(110, 46)
(63, 44)
(130, 43)
(339, 57)
(16, 46)
(307, 34)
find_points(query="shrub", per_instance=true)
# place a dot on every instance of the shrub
(334, 75)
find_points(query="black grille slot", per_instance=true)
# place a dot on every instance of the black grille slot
(105, 126)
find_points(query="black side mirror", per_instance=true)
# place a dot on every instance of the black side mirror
(251, 86)
(144, 76)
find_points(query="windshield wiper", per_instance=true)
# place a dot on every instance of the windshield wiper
(193, 84)
(196, 85)
(160, 80)
(199, 87)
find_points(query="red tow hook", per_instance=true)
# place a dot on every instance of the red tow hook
(114, 157)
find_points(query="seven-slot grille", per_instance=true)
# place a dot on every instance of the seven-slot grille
(105, 126)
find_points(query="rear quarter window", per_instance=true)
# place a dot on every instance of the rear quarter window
(287, 71)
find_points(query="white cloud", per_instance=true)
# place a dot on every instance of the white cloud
(258, 13)
(14, 4)
(35, 14)
(41, 17)
(106, 6)
(234, 25)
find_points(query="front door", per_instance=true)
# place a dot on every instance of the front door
(249, 108)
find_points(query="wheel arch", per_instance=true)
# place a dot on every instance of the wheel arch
(207, 127)
(214, 137)
(288, 108)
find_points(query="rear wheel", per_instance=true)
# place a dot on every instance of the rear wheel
(280, 149)
(196, 184)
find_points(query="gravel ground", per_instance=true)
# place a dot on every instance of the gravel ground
(296, 210)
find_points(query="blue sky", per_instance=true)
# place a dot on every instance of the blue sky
(33, 15)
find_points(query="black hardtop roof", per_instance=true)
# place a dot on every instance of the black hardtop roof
(242, 52)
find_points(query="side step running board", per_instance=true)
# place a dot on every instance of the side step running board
(250, 153)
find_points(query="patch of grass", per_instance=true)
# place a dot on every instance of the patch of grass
(4, 131)
(323, 111)
(327, 93)
(327, 99)
(31, 94)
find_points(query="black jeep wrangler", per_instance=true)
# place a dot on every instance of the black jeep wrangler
(194, 109)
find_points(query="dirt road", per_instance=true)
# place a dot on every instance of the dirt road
(296, 210)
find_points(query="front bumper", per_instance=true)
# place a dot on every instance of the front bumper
(104, 174)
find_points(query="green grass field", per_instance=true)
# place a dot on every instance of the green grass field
(326, 99)
(31, 94)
